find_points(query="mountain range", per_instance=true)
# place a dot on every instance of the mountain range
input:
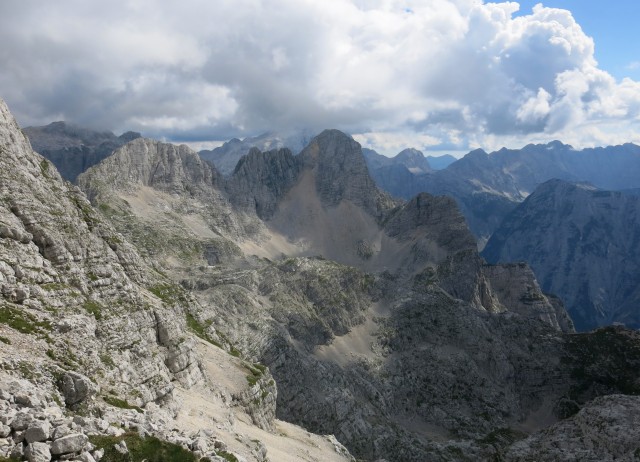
(162, 301)
(74, 149)
(595, 238)
(486, 187)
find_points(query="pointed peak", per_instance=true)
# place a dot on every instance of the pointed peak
(410, 153)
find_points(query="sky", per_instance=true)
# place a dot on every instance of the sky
(438, 75)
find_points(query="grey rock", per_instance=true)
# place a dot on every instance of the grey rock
(69, 444)
(75, 388)
(23, 399)
(61, 431)
(606, 429)
(340, 173)
(21, 421)
(5, 431)
(86, 457)
(37, 452)
(175, 169)
(121, 447)
(17, 452)
(260, 180)
(227, 156)
(38, 431)
(98, 454)
(18, 436)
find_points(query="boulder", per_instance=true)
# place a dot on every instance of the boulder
(75, 388)
(68, 444)
(38, 431)
(38, 452)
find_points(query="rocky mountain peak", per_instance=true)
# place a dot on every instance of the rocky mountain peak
(411, 157)
(341, 171)
(438, 216)
(129, 136)
(164, 166)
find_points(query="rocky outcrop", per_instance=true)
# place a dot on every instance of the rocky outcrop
(163, 166)
(74, 149)
(75, 279)
(584, 246)
(182, 199)
(516, 287)
(604, 430)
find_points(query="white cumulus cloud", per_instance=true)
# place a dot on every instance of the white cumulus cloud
(439, 74)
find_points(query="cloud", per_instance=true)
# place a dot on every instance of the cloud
(458, 73)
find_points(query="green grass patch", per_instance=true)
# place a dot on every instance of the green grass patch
(169, 293)
(107, 360)
(256, 370)
(94, 308)
(44, 167)
(51, 286)
(23, 322)
(227, 456)
(121, 403)
(150, 449)
(5, 340)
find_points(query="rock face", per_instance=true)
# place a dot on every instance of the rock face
(74, 149)
(583, 244)
(341, 174)
(169, 168)
(604, 430)
(260, 180)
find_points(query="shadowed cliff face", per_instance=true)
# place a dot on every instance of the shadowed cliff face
(583, 244)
